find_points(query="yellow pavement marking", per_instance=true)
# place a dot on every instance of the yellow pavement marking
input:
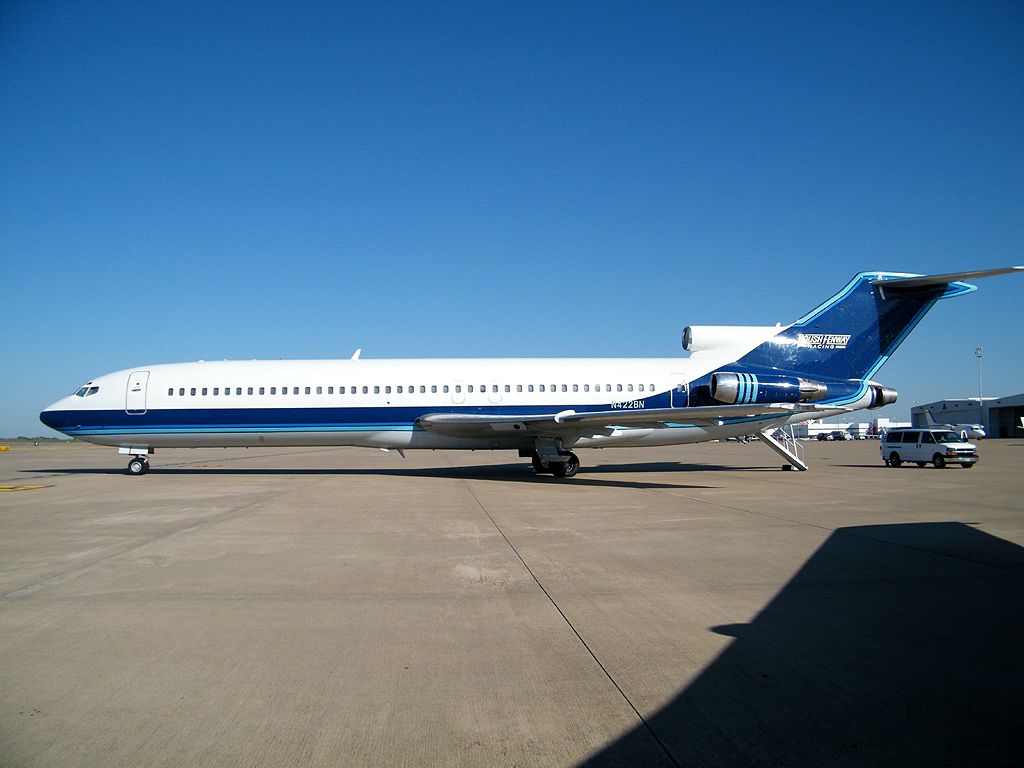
(21, 487)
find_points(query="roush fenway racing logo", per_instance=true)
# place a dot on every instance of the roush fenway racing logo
(823, 340)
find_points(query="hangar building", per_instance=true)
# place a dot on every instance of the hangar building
(1001, 416)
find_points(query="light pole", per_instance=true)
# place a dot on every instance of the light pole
(979, 352)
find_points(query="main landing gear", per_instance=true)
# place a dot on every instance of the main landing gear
(565, 464)
(549, 457)
(139, 465)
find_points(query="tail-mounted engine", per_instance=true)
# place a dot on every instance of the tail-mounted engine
(749, 388)
(705, 338)
(881, 396)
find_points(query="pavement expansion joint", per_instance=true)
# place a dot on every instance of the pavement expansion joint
(568, 622)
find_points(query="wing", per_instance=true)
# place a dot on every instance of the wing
(484, 424)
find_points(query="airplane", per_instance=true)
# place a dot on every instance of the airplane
(966, 431)
(737, 380)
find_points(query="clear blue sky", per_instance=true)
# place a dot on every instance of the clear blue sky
(217, 180)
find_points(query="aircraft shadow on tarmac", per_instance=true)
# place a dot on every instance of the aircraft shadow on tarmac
(894, 645)
(588, 476)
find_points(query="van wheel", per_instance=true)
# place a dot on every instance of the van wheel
(938, 461)
(894, 460)
(921, 463)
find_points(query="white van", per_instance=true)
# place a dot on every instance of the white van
(940, 446)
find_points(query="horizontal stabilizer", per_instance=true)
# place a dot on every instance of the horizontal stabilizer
(924, 281)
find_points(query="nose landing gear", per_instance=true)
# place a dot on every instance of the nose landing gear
(139, 465)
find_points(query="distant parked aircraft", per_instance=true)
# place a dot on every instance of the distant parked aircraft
(966, 431)
(738, 380)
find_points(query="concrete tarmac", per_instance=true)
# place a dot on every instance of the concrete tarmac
(683, 606)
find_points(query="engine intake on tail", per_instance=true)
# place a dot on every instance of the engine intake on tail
(749, 388)
(881, 396)
(703, 338)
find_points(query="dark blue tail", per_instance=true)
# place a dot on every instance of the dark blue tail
(852, 334)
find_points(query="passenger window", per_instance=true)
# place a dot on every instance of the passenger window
(541, 387)
(530, 387)
(911, 437)
(586, 387)
(469, 388)
(446, 389)
(926, 437)
(508, 388)
(519, 387)
(433, 388)
(171, 391)
(192, 391)
(641, 387)
(249, 391)
(387, 390)
(366, 390)
(458, 387)
(295, 390)
(629, 387)
(423, 389)
(319, 390)
(205, 391)
(308, 392)
(652, 387)
(181, 391)
(565, 388)
(398, 389)
(263, 390)
(284, 390)
(376, 389)
(238, 390)
(575, 387)
(618, 387)
(273, 390)
(216, 391)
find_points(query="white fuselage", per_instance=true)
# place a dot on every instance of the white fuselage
(374, 403)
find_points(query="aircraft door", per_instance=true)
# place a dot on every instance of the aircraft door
(135, 396)
(679, 396)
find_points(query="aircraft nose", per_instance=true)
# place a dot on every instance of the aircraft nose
(51, 414)
(49, 417)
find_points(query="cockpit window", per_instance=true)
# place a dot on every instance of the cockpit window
(81, 392)
(86, 391)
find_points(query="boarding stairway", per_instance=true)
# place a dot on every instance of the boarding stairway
(783, 441)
